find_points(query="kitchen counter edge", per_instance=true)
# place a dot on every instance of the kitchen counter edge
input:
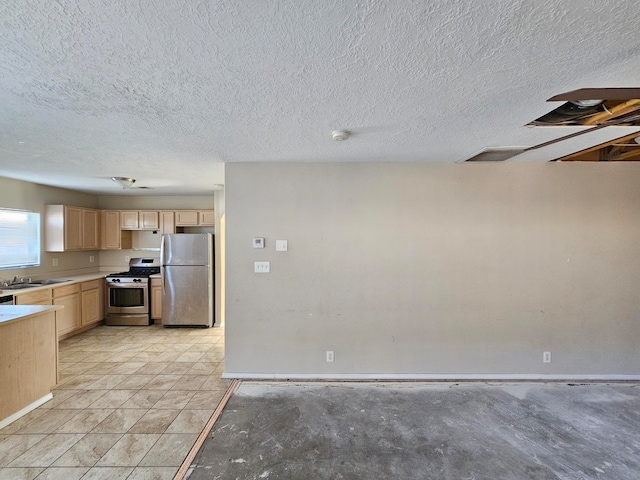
(14, 313)
(86, 277)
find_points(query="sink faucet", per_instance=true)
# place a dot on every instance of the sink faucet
(17, 280)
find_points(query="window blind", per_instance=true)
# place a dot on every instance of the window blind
(19, 239)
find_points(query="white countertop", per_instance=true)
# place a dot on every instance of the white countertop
(9, 313)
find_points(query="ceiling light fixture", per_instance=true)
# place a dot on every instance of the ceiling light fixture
(124, 182)
(339, 135)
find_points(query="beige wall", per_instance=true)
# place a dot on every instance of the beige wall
(151, 202)
(428, 270)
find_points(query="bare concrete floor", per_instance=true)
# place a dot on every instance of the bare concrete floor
(472, 431)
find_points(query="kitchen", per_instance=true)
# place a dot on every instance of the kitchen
(21, 195)
(89, 265)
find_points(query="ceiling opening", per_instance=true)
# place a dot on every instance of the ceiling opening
(496, 154)
(622, 149)
(594, 107)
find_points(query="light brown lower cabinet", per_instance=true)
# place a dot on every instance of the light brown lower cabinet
(83, 304)
(28, 362)
(91, 302)
(156, 299)
(69, 318)
(40, 297)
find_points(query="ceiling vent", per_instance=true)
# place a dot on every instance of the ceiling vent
(496, 154)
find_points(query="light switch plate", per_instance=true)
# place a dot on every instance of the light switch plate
(281, 245)
(261, 267)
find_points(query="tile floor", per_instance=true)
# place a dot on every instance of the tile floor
(130, 403)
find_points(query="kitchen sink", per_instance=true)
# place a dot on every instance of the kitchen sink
(19, 286)
(35, 283)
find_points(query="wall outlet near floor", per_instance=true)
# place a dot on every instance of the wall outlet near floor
(330, 356)
(546, 357)
(54, 262)
(92, 259)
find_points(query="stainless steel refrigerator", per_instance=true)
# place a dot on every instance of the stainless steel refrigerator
(187, 279)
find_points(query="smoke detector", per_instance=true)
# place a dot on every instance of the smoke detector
(340, 135)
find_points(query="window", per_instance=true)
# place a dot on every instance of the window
(19, 239)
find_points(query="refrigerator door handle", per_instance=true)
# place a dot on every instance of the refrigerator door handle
(162, 263)
(162, 240)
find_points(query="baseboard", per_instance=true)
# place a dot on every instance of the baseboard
(448, 377)
(21, 413)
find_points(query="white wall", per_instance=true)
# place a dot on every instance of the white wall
(420, 270)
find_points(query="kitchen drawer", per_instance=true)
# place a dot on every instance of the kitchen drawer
(41, 297)
(66, 290)
(90, 285)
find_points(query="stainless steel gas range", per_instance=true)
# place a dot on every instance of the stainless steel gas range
(127, 299)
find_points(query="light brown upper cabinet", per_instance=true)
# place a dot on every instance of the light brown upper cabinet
(194, 218)
(139, 220)
(112, 236)
(186, 218)
(206, 218)
(167, 222)
(90, 229)
(70, 228)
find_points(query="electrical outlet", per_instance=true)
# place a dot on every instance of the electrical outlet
(546, 357)
(330, 356)
(54, 262)
(261, 267)
(92, 259)
(126, 258)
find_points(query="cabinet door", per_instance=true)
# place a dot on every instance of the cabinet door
(186, 218)
(90, 229)
(129, 219)
(149, 220)
(90, 306)
(156, 302)
(72, 228)
(110, 231)
(206, 218)
(167, 222)
(68, 318)
(101, 298)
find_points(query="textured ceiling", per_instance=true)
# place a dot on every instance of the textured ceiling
(168, 91)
